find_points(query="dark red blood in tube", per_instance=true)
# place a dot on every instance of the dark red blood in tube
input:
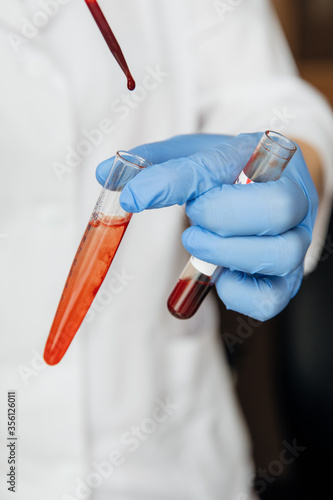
(186, 298)
(110, 40)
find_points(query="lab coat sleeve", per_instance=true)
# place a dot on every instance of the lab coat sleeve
(249, 82)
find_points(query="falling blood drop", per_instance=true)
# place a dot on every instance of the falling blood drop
(130, 83)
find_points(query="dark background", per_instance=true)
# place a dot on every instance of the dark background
(284, 367)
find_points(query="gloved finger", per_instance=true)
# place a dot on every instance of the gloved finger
(297, 170)
(259, 297)
(179, 146)
(162, 151)
(176, 181)
(262, 209)
(271, 255)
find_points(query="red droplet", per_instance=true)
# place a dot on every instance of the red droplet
(130, 83)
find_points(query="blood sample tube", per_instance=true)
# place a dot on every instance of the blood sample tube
(269, 159)
(93, 258)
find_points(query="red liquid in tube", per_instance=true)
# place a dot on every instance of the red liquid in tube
(110, 40)
(187, 296)
(100, 243)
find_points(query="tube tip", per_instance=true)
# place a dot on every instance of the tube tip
(178, 314)
(53, 355)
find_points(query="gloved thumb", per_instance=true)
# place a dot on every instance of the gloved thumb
(178, 180)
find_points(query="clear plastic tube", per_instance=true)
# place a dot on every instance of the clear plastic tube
(269, 159)
(93, 258)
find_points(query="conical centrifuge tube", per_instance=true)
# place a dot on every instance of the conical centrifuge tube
(93, 258)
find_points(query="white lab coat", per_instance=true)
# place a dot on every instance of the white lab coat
(142, 405)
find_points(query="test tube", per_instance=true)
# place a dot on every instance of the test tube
(269, 159)
(93, 258)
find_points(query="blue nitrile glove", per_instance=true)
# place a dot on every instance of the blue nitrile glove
(259, 233)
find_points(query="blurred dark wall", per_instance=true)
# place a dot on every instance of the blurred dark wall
(308, 25)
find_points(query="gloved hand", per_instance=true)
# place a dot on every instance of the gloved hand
(259, 233)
